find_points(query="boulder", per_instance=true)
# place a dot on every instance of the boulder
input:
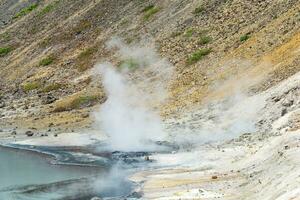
(29, 133)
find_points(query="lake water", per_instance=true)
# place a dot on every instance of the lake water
(25, 175)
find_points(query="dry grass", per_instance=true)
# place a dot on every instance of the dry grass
(77, 101)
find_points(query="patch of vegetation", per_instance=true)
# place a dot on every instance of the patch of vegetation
(86, 53)
(31, 86)
(198, 55)
(147, 8)
(5, 36)
(189, 32)
(45, 42)
(46, 61)
(130, 64)
(52, 87)
(198, 10)
(48, 8)
(4, 51)
(84, 100)
(149, 11)
(204, 39)
(245, 37)
(175, 34)
(85, 57)
(76, 102)
(26, 10)
(124, 22)
(82, 26)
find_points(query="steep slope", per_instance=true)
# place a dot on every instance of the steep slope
(52, 44)
(236, 79)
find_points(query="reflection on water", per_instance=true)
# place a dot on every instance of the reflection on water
(25, 175)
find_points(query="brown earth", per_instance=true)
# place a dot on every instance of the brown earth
(71, 35)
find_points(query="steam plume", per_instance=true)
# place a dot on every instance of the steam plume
(134, 88)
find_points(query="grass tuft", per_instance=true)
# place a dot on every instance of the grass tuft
(31, 86)
(198, 55)
(48, 8)
(204, 39)
(189, 32)
(245, 37)
(149, 11)
(46, 61)
(26, 10)
(5, 37)
(198, 10)
(52, 87)
(85, 57)
(82, 26)
(76, 102)
(4, 51)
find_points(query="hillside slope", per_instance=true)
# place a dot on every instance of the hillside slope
(233, 101)
(49, 46)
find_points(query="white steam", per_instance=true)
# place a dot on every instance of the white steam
(219, 120)
(128, 116)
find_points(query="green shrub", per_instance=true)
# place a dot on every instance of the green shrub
(204, 39)
(46, 61)
(198, 10)
(48, 8)
(31, 86)
(52, 87)
(26, 10)
(189, 32)
(198, 55)
(4, 51)
(149, 11)
(147, 8)
(244, 37)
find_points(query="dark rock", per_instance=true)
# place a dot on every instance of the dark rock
(51, 124)
(288, 102)
(49, 99)
(283, 111)
(29, 133)
(85, 115)
(2, 105)
(13, 133)
(135, 195)
(214, 177)
(55, 135)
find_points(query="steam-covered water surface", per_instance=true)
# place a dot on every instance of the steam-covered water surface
(26, 175)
